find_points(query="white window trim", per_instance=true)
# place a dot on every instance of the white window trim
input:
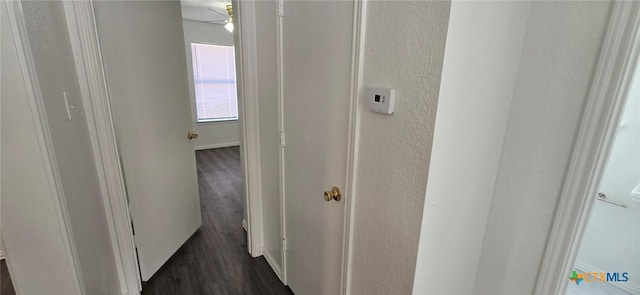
(213, 121)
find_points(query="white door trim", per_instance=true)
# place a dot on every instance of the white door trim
(91, 77)
(283, 206)
(247, 77)
(357, 62)
(41, 125)
(608, 93)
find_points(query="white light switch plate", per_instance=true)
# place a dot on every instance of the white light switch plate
(380, 100)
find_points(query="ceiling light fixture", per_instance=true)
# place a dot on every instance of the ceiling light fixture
(229, 25)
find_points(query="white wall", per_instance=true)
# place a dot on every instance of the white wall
(35, 249)
(484, 42)
(25, 191)
(611, 241)
(213, 134)
(550, 91)
(52, 54)
(561, 47)
(404, 50)
(269, 130)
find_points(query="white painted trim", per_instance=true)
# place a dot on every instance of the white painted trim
(281, 170)
(247, 77)
(274, 266)
(39, 116)
(88, 60)
(608, 92)
(1, 255)
(626, 286)
(216, 145)
(244, 224)
(357, 62)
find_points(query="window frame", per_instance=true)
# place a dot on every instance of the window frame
(199, 121)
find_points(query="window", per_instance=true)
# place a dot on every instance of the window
(214, 80)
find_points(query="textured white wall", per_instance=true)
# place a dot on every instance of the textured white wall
(28, 207)
(29, 217)
(404, 50)
(269, 129)
(560, 50)
(52, 53)
(484, 42)
(213, 134)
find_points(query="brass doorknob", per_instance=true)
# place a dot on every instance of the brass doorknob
(333, 194)
(192, 135)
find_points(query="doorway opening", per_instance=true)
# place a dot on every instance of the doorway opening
(597, 207)
(215, 259)
(608, 258)
(172, 189)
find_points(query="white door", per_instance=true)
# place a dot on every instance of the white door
(143, 52)
(317, 43)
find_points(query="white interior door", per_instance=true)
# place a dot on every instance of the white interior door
(317, 43)
(143, 52)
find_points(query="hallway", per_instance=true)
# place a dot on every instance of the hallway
(215, 259)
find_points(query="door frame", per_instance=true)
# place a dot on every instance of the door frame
(83, 36)
(81, 23)
(248, 104)
(355, 109)
(609, 89)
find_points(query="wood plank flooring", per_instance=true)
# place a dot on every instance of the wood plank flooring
(6, 287)
(215, 259)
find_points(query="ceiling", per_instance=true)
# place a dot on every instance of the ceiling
(213, 11)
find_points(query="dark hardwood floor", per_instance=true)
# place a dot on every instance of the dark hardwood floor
(215, 259)
(6, 287)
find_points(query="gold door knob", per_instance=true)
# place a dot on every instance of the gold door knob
(333, 194)
(192, 135)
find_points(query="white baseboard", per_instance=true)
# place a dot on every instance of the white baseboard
(631, 288)
(216, 145)
(1, 255)
(271, 262)
(244, 224)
